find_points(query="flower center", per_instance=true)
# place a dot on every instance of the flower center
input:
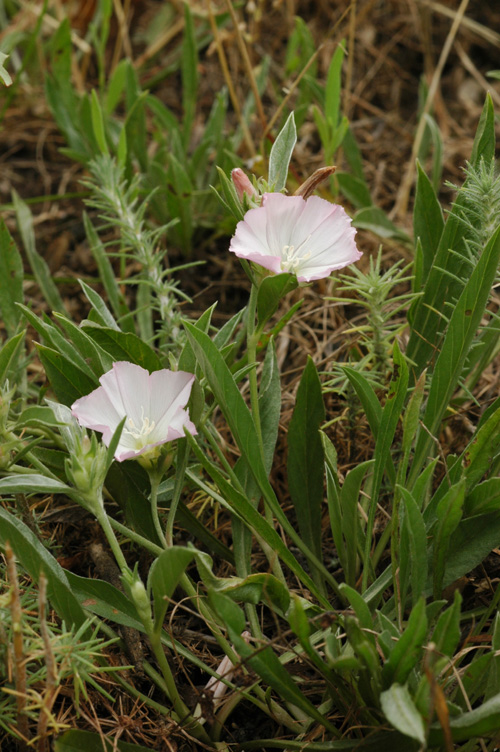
(143, 431)
(292, 257)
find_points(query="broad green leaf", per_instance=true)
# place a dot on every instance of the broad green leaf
(11, 279)
(428, 220)
(35, 557)
(360, 608)
(305, 457)
(104, 600)
(98, 359)
(349, 499)
(369, 679)
(9, 353)
(477, 457)
(413, 548)
(484, 141)
(407, 650)
(124, 346)
(470, 544)
(376, 220)
(484, 498)
(333, 88)
(53, 338)
(164, 577)
(269, 404)
(37, 415)
(281, 154)
(98, 123)
(257, 588)
(33, 483)
(446, 635)
(68, 381)
(271, 290)
(127, 482)
(77, 740)
(449, 514)
(366, 396)
(401, 712)
(482, 721)
(99, 306)
(187, 359)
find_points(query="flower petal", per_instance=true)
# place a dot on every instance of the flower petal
(98, 412)
(128, 384)
(170, 391)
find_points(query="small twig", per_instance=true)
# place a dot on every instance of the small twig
(229, 83)
(123, 38)
(247, 64)
(469, 66)
(19, 657)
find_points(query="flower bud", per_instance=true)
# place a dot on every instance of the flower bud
(242, 184)
(139, 597)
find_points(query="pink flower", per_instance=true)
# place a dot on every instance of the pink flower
(152, 403)
(307, 237)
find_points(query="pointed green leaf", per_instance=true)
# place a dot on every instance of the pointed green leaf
(402, 713)
(281, 154)
(305, 457)
(11, 280)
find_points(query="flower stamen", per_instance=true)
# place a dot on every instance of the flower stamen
(290, 258)
(146, 428)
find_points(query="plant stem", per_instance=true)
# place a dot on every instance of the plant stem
(133, 536)
(105, 524)
(252, 340)
(187, 720)
(155, 477)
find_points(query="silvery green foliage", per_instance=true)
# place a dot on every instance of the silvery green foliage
(122, 205)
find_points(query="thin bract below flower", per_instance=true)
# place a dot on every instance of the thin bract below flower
(152, 403)
(306, 237)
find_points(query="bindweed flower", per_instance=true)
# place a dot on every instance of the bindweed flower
(152, 404)
(306, 237)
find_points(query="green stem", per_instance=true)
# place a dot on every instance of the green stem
(181, 465)
(103, 520)
(252, 341)
(155, 477)
(206, 612)
(253, 336)
(133, 536)
(187, 720)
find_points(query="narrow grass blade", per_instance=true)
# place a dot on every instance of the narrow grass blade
(38, 266)
(11, 280)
